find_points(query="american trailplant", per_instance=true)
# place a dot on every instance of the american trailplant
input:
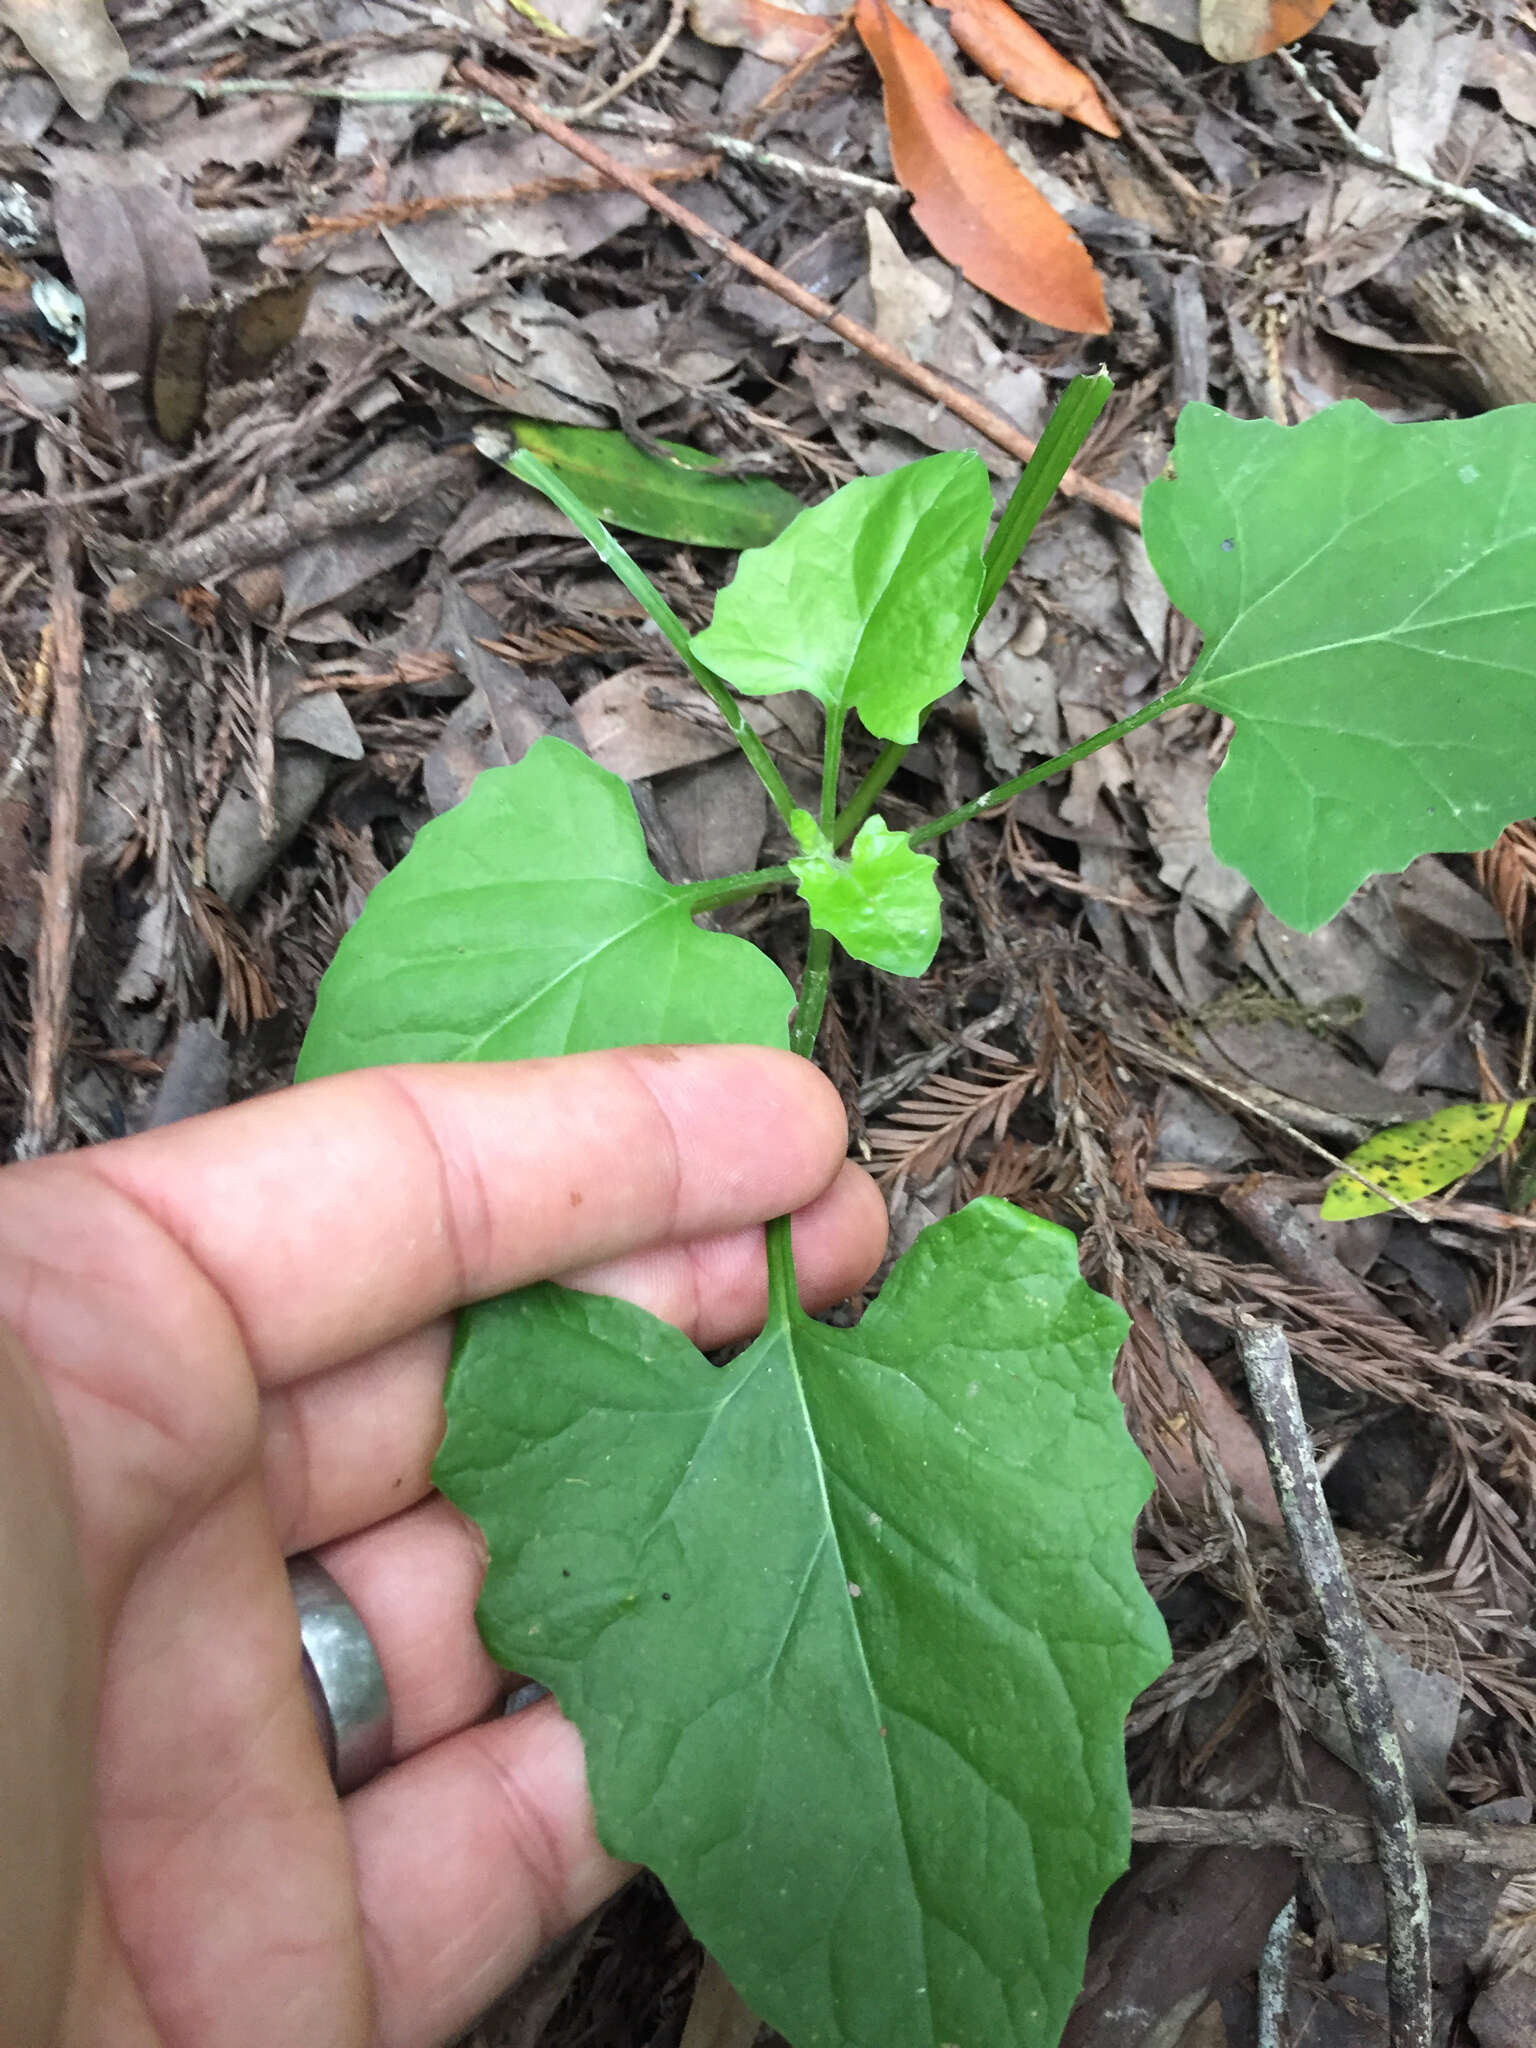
(850, 1627)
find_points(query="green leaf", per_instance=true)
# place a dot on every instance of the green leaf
(1416, 1159)
(676, 500)
(881, 903)
(866, 601)
(1368, 596)
(849, 1628)
(527, 921)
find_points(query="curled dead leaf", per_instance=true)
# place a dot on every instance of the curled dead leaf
(76, 45)
(969, 198)
(1237, 31)
(782, 35)
(1020, 59)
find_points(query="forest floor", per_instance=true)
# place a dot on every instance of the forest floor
(312, 614)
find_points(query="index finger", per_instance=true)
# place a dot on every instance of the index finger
(340, 1214)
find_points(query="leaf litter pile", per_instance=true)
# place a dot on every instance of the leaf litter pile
(264, 610)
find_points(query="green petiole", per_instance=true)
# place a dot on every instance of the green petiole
(531, 470)
(1065, 432)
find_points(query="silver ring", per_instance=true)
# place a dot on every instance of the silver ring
(343, 1677)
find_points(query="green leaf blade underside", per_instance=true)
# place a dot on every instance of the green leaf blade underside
(529, 921)
(1368, 595)
(867, 600)
(679, 500)
(881, 902)
(889, 1812)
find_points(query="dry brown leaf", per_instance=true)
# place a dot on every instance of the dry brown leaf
(782, 35)
(76, 45)
(1237, 31)
(972, 202)
(1024, 63)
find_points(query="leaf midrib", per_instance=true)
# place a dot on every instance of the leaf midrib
(547, 987)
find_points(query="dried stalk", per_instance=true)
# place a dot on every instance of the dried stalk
(55, 957)
(240, 542)
(1363, 1696)
(1329, 1837)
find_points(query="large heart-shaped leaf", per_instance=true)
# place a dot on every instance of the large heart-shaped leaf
(866, 601)
(1368, 597)
(849, 1627)
(527, 921)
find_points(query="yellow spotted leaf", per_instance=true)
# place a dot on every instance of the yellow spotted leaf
(1410, 1160)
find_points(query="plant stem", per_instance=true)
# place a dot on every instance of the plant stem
(783, 1295)
(813, 994)
(634, 579)
(725, 889)
(991, 798)
(831, 761)
(1065, 432)
(887, 761)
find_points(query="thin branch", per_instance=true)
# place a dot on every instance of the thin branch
(1363, 1697)
(1275, 1977)
(1487, 209)
(241, 541)
(633, 76)
(53, 969)
(257, 224)
(1001, 432)
(1329, 1837)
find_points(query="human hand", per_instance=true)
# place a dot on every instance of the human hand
(241, 1325)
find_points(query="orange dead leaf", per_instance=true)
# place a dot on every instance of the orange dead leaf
(1237, 31)
(781, 34)
(1024, 63)
(969, 198)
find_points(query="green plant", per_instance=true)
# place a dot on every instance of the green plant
(850, 1627)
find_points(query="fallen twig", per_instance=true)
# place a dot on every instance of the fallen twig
(240, 542)
(54, 961)
(391, 213)
(1001, 432)
(1461, 195)
(1174, 1177)
(1329, 1837)
(789, 81)
(1363, 1697)
(676, 16)
(240, 226)
(1275, 1978)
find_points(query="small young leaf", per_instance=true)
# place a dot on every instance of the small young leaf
(677, 500)
(1368, 596)
(881, 903)
(849, 1628)
(866, 601)
(526, 921)
(1410, 1160)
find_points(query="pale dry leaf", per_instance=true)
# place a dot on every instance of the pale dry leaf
(1237, 31)
(75, 43)
(1509, 73)
(648, 721)
(908, 304)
